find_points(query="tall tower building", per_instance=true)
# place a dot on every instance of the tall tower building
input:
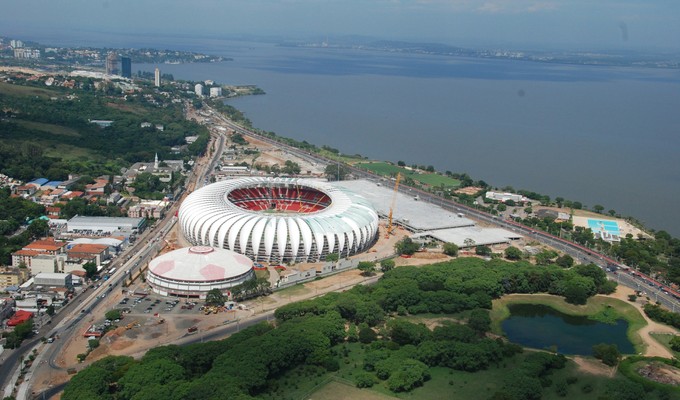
(112, 64)
(157, 77)
(126, 67)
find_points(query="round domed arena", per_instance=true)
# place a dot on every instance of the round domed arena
(279, 219)
(193, 271)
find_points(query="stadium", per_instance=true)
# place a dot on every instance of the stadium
(193, 271)
(279, 219)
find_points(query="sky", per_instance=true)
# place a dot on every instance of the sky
(579, 24)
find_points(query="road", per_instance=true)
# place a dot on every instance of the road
(153, 244)
(70, 320)
(659, 292)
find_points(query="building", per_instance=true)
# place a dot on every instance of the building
(53, 280)
(164, 173)
(215, 92)
(105, 226)
(112, 64)
(198, 89)
(12, 276)
(149, 209)
(27, 254)
(126, 67)
(279, 219)
(15, 44)
(194, 271)
(88, 251)
(23, 53)
(503, 197)
(101, 122)
(157, 77)
(19, 317)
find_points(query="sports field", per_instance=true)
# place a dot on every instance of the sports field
(426, 178)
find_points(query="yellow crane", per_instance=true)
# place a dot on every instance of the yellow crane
(390, 228)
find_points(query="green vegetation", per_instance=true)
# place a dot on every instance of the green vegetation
(15, 211)
(392, 353)
(22, 331)
(425, 178)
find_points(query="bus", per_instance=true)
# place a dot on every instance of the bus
(112, 270)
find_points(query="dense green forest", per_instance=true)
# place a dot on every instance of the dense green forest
(370, 327)
(47, 133)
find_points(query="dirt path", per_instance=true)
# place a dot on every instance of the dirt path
(594, 367)
(652, 347)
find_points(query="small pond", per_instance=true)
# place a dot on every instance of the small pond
(539, 327)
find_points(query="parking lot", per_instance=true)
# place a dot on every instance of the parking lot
(137, 304)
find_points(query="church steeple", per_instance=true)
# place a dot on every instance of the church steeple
(155, 162)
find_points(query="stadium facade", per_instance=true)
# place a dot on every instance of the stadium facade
(279, 219)
(194, 271)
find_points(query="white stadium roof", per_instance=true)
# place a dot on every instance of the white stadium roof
(348, 224)
(200, 264)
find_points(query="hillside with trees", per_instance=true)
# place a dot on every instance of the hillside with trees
(46, 132)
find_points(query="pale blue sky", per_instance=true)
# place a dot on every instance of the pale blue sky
(587, 24)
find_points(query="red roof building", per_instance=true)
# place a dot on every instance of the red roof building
(19, 317)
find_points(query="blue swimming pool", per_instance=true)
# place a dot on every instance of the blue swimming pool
(603, 225)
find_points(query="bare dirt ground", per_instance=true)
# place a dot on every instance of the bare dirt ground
(660, 372)
(653, 348)
(594, 367)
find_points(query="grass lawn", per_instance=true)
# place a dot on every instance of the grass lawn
(599, 308)
(664, 339)
(49, 128)
(295, 290)
(387, 169)
(20, 90)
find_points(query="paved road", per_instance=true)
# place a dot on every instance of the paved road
(69, 320)
(659, 292)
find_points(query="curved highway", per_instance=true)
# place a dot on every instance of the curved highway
(615, 271)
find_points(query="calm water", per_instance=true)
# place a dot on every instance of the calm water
(540, 327)
(600, 135)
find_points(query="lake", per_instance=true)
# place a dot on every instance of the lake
(599, 135)
(596, 134)
(540, 327)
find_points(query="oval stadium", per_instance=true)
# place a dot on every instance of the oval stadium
(193, 271)
(279, 219)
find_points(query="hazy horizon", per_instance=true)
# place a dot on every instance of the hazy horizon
(551, 24)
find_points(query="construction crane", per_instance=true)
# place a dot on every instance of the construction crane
(390, 228)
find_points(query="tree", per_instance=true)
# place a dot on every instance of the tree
(50, 310)
(598, 208)
(367, 335)
(501, 207)
(483, 250)
(214, 297)
(565, 261)
(675, 343)
(513, 253)
(406, 246)
(386, 265)
(38, 228)
(401, 163)
(90, 269)
(450, 249)
(479, 320)
(332, 257)
(608, 353)
(366, 267)
(112, 315)
(364, 380)
(336, 172)
(291, 168)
